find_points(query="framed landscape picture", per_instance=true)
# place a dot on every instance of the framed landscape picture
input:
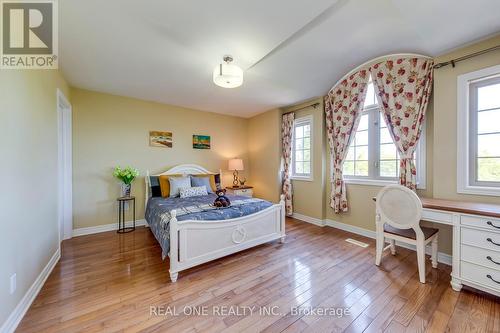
(201, 141)
(160, 139)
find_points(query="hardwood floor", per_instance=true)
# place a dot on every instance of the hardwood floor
(117, 283)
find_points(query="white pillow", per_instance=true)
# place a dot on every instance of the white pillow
(196, 191)
(176, 183)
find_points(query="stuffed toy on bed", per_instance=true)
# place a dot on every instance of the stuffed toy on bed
(222, 200)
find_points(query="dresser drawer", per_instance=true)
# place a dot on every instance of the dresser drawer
(481, 275)
(476, 255)
(481, 238)
(247, 192)
(481, 222)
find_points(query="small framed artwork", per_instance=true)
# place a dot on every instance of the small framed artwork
(201, 141)
(160, 139)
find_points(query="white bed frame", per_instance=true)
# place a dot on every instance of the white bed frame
(195, 242)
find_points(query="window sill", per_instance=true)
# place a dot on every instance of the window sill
(480, 190)
(305, 179)
(376, 182)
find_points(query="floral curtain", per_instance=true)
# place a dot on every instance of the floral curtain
(404, 87)
(286, 148)
(343, 107)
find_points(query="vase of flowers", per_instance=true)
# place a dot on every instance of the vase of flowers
(127, 176)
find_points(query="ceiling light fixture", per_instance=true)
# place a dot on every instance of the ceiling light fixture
(227, 75)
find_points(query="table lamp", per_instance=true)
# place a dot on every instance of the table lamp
(235, 165)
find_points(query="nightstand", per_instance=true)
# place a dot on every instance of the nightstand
(246, 191)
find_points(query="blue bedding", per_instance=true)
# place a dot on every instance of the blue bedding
(195, 208)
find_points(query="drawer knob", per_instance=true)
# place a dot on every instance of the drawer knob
(492, 242)
(493, 261)
(491, 224)
(492, 279)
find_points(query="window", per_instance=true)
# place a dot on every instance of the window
(479, 132)
(373, 158)
(302, 149)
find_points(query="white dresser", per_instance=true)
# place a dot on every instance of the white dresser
(476, 241)
(246, 191)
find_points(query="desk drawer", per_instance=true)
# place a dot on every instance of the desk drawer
(481, 222)
(476, 255)
(481, 238)
(481, 275)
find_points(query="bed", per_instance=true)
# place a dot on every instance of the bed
(192, 232)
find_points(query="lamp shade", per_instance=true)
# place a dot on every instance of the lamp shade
(227, 75)
(236, 164)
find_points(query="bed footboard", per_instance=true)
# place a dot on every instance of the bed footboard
(194, 242)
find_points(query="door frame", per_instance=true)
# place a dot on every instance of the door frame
(64, 167)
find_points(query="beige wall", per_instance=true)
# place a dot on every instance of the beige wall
(264, 154)
(111, 130)
(28, 140)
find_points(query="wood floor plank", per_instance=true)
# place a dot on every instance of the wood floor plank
(110, 283)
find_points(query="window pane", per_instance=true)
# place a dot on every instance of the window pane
(307, 155)
(370, 98)
(383, 124)
(307, 167)
(361, 168)
(299, 155)
(389, 168)
(361, 138)
(299, 144)
(388, 152)
(349, 168)
(488, 97)
(307, 143)
(307, 130)
(299, 167)
(488, 145)
(488, 121)
(362, 153)
(385, 136)
(363, 123)
(350, 153)
(299, 131)
(488, 169)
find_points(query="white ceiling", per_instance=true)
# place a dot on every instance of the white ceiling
(290, 51)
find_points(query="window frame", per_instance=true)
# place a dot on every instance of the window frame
(374, 177)
(300, 122)
(467, 85)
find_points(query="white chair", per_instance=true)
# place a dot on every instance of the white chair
(398, 219)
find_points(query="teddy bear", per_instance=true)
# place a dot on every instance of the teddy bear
(221, 200)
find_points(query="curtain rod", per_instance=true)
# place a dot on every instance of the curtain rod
(465, 57)
(314, 105)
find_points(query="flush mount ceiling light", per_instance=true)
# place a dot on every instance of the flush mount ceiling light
(227, 75)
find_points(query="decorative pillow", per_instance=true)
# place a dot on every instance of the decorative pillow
(197, 191)
(202, 181)
(214, 180)
(176, 183)
(154, 186)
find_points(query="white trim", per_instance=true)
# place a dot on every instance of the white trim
(309, 219)
(22, 307)
(463, 158)
(65, 168)
(309, 119)
(106, 227)
(442, 257)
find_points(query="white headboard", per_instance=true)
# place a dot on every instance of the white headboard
(182, 169)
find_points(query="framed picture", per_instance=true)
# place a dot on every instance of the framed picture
(160, 139)
(201, 141)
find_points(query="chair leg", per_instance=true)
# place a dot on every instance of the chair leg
(421, 261)
(434, 245)
(393, 246)
(379, 248)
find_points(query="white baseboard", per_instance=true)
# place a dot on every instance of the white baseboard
(22, 307)
(442, 257)
(106, 227)
(308, 219)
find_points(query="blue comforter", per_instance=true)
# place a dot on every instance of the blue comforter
(195, 208)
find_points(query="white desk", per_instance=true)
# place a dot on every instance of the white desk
(476, 241)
